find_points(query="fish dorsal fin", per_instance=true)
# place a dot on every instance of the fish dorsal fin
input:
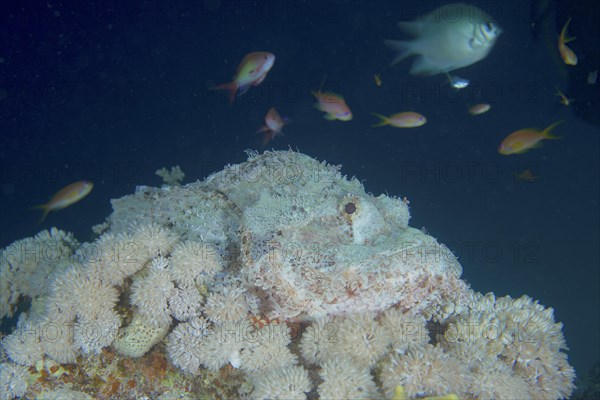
(413, 28)
(332, 95)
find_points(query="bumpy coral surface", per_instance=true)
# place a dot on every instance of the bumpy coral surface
(256, 282)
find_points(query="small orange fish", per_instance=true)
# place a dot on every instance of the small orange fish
(523, 140)
(252, 71)
(273, 126)
(66, 196)
(377, 79)
(406, 119)
(526, 176)
(479, 108)
(568, 56)
(333, 105)
(564, 100)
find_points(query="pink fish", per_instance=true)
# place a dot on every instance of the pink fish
(406, 119)
(333, 105)
(252, 71)
(273, 126)
(568, 56)
(480, 108)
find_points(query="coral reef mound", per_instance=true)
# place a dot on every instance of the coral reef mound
(274, 278)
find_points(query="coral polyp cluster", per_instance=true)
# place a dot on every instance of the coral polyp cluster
(275, 278)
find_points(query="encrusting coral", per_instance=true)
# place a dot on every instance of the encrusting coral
(13, 381)
(344, 380)
(172, 177)
(274, 278)
(284, 383)
(26, 265)
(151, 294)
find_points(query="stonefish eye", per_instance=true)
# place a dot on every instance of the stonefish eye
(350, 208)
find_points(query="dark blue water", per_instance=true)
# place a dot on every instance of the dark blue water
(111, 91)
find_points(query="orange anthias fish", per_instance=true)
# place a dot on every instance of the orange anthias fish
(66, 196)
(564, 100)
(479, 108)
(407, 119)
(526, 176)
(568, 56)
(333, 105)
(523, 140)
(377, 78)
(251, 72)
(273, 126)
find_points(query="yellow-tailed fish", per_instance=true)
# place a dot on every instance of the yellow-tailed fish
(273, 126)
(479, 108)
(564, 100)
(252, 71)
(406, 119)
(66, 196)
(523, 140)
(450, 37)
(568, 56)
(526, 176)
(333, 105)
(377, 78)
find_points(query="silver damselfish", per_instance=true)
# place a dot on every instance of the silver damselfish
(448, 38)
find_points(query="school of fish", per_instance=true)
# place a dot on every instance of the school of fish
(450, 37)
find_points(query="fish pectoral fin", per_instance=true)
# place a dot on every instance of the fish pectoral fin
(243, 89)
(260, 80)
(329, 117)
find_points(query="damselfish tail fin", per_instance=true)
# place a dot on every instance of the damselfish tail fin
(403, 48)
